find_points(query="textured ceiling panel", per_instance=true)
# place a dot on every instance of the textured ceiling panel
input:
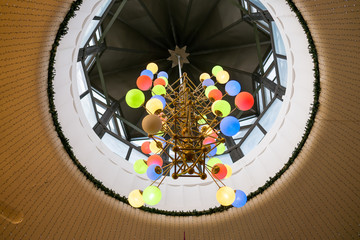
(318, 197)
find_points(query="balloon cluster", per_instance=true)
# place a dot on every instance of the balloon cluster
(205, 124)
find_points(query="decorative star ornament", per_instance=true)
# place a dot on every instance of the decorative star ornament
(178, 52)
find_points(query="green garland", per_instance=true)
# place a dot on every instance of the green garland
(63, 29)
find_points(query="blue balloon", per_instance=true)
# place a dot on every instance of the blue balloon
(233, 87)
(213, 151)
(208, 82)
(151, 173)
(147, 73)
(229, 126)
(163, 74)
(161, 98)
(240, 199)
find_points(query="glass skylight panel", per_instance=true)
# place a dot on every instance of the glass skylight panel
(279, 44)
(100, 109)
(103, 7)
(269, 117)
(88, 109)
(272, 74)
(225, 159)
(89, 31)
(282, 65)
(81, 80)
(252, 140)
(267, 96)
(258, 4)
(121, 127)
(99, 97)
(115, 145)
(268, 61)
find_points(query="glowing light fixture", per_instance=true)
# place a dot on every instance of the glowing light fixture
(192, 119)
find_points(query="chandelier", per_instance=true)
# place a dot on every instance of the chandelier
(186, 124)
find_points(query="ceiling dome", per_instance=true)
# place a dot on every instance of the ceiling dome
(106, 62)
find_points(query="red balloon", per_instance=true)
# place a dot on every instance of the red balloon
(215, 95)
(219, 171)
(145, 147)
(244, 101)
(214, 134)
(155, 159)
(159, 81)
(144, 82)
(208, 140)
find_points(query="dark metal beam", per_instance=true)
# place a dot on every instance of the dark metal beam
(139, 51)
(262, 15)
(235, 153)
(155, 22)
(227, 48)
(133, 126)
(172, 23)
(156, 42)
(114, 17)
(87, 51)
(101, 126)
(277, 89)
(186, 21)
(218, 33)
(126, 68)
(102, 79)
(196, 32)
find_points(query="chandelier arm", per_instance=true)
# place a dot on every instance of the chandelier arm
(164, 175)
(212, 177)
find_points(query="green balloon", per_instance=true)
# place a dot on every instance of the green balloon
(221, 108)
(202, 120)
(158, 90)
(216, 69)
(140, 166)
(208, 89)
(220, 149)
(212, 162)
(152, 195)
(135, 98)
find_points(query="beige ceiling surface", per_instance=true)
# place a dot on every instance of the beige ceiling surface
(317, 198)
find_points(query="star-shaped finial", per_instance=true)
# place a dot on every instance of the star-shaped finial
(178, 52)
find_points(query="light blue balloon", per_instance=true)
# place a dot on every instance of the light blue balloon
(233, 87)
(161, 98)
(147, 73)
(240, 199)
(163, 74)
(208, 82)
(150, 172)
(229, 126)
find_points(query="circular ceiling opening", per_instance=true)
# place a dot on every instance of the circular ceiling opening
(118, 39)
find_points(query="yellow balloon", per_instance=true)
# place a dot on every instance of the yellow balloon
(222, 77)
(154, 105)
(204, 76)
(229, 171)
(136, 199)
(154, 148)
(152, 67)
(225, 196)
